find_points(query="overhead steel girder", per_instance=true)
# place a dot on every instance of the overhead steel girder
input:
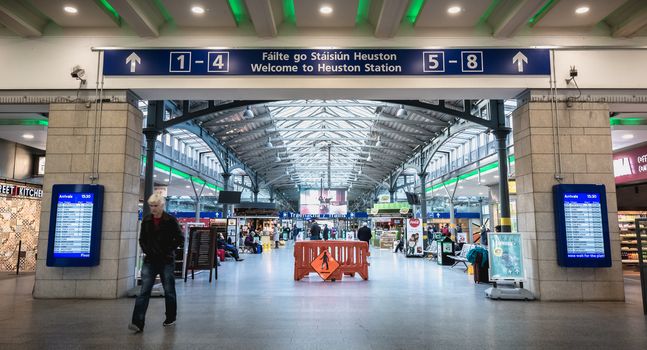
(228, 161)
(442, 108)
(211, 108)
(233, 124)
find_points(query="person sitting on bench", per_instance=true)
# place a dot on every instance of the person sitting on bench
(222, 244)
(249, 242)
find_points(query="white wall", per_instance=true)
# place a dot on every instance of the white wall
(45, 63)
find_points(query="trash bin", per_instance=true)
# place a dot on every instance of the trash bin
(445, 249)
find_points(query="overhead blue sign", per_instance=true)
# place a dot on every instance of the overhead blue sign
(431, 62)
(457, 215)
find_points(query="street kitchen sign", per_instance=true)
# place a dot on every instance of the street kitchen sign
(20, 191)
(630, 166)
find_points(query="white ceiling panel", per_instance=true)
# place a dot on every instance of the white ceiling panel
(563, 14)
(217, 13)
(343, 13)
(434, 13)
(89, 13)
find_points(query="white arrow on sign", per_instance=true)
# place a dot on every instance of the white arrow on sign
(133, 59)
(519, 59)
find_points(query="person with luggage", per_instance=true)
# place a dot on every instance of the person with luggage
(249, 242)
(222, 244)
(160, 236)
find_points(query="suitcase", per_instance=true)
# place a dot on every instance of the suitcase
(481, 273)
(259, 249)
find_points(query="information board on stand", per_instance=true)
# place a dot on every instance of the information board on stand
(75, 225)
(506, 256)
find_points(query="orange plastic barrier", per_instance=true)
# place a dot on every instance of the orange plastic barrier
(352, 257)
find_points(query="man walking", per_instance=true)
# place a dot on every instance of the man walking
(160, 236)
(364, 233)
(315, 231)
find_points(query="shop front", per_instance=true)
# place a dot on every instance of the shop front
(20, 208)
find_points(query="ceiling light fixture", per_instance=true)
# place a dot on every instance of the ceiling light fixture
(582, 10)
(28, 136)
(278, 158)
(198, 10)
(269, 143)
(628, 136)
(378, 143)
(368, 159)
(166, 180)
(154, 175)
(71, 9)
(325, 10)
(460, 187)
(187, 186)
(401, 112)
(454, 10)
(248, 114)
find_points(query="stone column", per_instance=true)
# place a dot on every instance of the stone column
(586, 158)
(70, 150)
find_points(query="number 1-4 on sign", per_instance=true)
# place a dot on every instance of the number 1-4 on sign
(218, 62)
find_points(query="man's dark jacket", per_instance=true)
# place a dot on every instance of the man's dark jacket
(315, 230)
(364, 234)
(159, 243)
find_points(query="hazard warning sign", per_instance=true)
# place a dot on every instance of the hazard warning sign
(325, 264)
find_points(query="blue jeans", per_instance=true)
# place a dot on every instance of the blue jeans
(149, 272)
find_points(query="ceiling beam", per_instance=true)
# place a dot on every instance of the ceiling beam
(263, 17)
(390, 17)
(141, 15)
(20, 20)
(631, 25)
(519, 14)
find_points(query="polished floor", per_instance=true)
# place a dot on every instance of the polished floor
(255, 304)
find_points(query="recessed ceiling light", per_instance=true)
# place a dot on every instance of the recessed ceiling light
(582, 10)
(628, 136)
(460, 187)
(325, 9)
(454, 10)
(480, 193)
(198, 10)
(70, 9)
(28, 136)
(154, 175)
(496, 176)
(187, 186)
(166, 180)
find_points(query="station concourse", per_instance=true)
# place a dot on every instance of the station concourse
(507, 135)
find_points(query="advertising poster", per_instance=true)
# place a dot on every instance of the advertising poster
(315, 202)
(505, 256)
(414, 242)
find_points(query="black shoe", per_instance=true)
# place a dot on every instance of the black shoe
(239, 259)
(135, 328)
(168, 323)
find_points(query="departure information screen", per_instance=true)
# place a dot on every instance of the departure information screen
(581, 225)
(583, 221)
(73, 232)
(75, 225)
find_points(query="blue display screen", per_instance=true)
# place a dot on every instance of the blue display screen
(584, 227)
(73, 228)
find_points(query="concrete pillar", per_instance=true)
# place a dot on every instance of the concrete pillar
(586, 157)
(70, 149)
(423, 196)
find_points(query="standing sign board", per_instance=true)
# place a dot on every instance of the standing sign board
(506, 256)
(414, 241)
(581, 226)
(75, 225)
(322, 62)
(324, 264)
(201, 254)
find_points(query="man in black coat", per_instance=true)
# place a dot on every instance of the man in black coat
(159, 237)
(315, 231)
(364, 233)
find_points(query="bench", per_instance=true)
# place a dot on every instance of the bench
(462, 256)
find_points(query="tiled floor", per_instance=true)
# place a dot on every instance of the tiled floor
(406, 304)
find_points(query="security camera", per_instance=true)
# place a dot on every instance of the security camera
(78, 73)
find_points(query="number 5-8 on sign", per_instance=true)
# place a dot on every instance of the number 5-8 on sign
(433, 61)
(472, 61)
(218, 62)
